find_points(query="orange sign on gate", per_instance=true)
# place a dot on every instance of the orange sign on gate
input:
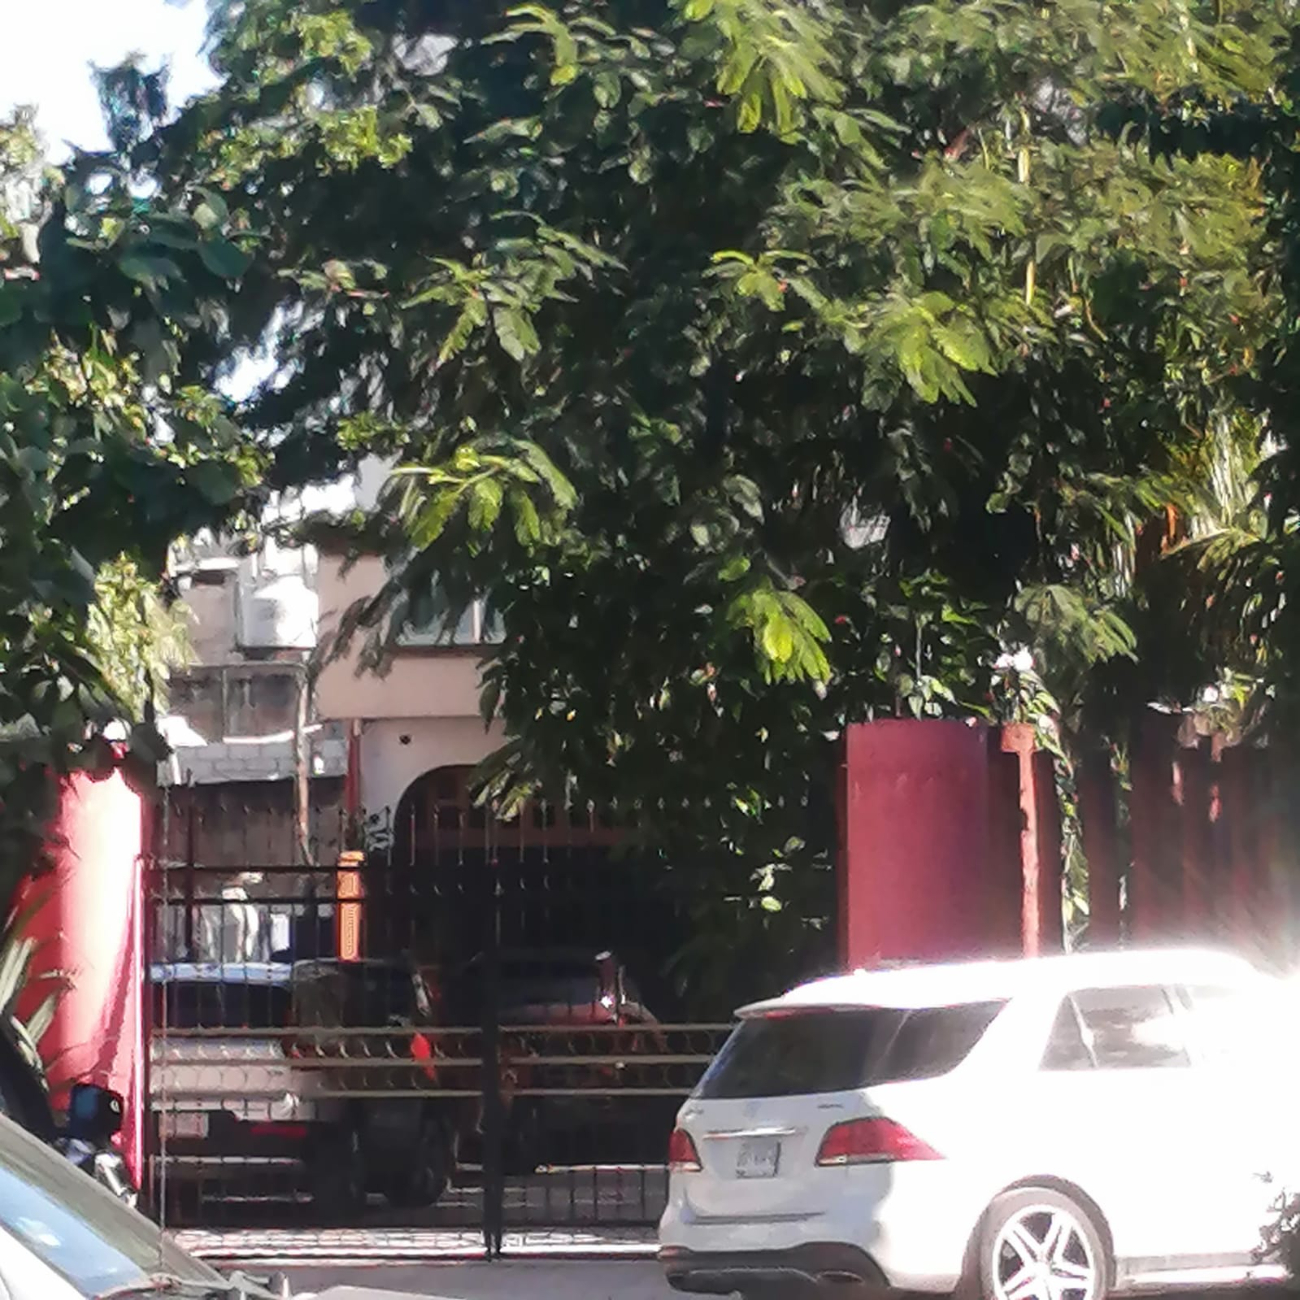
(350, 892)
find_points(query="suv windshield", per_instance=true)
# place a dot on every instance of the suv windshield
(82, 1232)
(835, 1051)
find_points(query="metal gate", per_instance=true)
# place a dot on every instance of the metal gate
(467, 1023)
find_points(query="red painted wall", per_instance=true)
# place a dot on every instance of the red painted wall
(91, 926)
(950, 843)
(915, 823)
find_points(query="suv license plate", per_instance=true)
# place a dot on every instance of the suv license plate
(758, 1158)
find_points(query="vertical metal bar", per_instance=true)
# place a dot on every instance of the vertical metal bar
(188, 919)
(301, 769)
(493, 1109)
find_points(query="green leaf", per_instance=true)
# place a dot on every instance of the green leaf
(607, 89)
(218, 483)
(778, 639)
(745, 493)
(148, 269)
(528, 525)
(225, 259)
(485, 500)
(207, 218)
(215, 204)
(749, 116)
(515, 332)
(431, 521)
(472, 317)
(964, 345)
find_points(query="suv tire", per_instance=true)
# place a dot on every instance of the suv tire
(1040, 1232)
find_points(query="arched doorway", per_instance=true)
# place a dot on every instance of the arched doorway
(458, 880)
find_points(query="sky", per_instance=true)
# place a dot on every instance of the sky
(50, 45)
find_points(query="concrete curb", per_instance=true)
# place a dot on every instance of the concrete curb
(359, 1246)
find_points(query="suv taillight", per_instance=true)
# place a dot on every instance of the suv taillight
(872, 1141)
(683, 1158)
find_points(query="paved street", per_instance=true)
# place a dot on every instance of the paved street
(517, 1280)
(531, 1280)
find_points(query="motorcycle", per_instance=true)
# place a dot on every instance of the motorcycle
(85, 1136)
(94, 1119)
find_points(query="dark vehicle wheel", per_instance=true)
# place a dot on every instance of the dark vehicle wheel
(432, 1163)
(336, 1177)
(1037, 1244)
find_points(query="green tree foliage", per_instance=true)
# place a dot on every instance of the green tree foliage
(138, 635)
(108, 452)
(1234, 579)
(768, 365)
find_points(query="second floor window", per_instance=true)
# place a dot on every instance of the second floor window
(435, 625)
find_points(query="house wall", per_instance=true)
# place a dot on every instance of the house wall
(419, 683)
(395, 751)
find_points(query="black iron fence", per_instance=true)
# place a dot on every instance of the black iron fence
(470, 1024)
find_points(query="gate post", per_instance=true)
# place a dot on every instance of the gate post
(915, 823)
(1041, 924)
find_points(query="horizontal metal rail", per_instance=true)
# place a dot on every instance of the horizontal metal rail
(173, 1102)
(435, 1063)
(398, 1031)
(324, 1063)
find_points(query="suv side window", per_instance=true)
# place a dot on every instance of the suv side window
(1232, 1025)
(1067, 1049)
(1133, 1028)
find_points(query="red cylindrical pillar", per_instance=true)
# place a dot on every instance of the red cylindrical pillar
(916, 801)
(90, 926)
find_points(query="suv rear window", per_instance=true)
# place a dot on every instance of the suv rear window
(835, 1051)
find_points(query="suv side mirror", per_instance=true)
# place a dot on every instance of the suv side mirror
(94, 1113)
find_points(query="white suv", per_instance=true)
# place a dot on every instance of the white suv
(1046, 1129)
